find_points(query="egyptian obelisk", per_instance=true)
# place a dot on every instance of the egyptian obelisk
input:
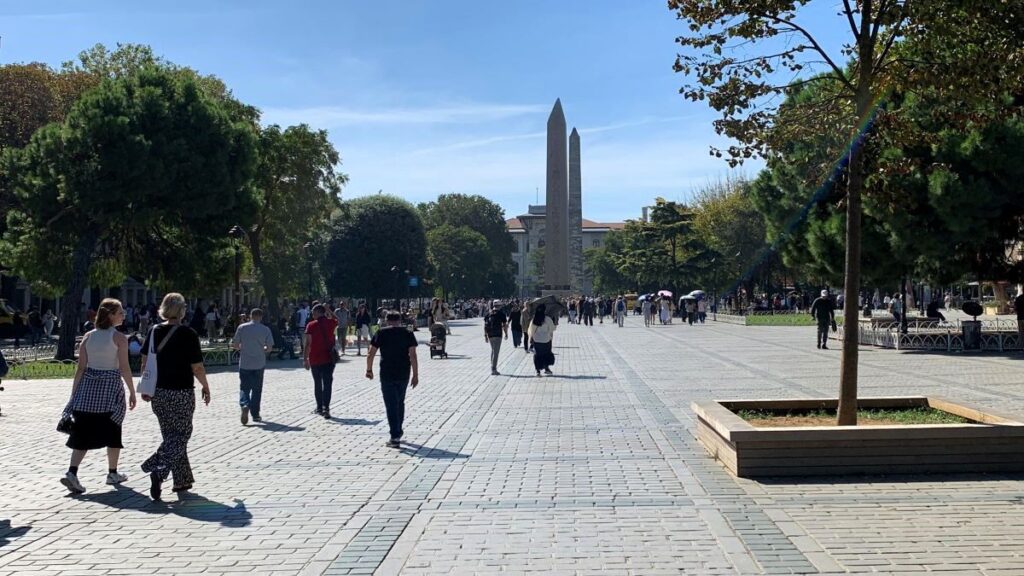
(575, 214)
(556, 235)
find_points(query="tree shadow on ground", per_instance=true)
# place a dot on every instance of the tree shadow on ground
(354, 421)
(430, 453)
(8, 532)
(185, 504)
(269, 426)
(894, 479)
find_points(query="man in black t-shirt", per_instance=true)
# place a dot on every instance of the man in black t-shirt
(1018, 305)
(397, 359)
(495, 324)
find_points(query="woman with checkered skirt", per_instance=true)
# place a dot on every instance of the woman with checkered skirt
(97, 394)
(179, 363)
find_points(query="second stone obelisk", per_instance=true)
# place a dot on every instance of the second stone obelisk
(556, 235)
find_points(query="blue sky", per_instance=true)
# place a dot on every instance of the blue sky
(423, 98)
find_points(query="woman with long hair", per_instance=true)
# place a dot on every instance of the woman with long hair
(97, 394)
(179, 365)
(542, 331)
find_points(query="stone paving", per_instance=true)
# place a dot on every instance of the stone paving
(592, 471)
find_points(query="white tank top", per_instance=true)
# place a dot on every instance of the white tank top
(102, 350)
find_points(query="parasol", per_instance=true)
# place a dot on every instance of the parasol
(552, 307)
(665, 293)
(644, 298)
(698, 294)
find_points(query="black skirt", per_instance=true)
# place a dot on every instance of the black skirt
(93, 430)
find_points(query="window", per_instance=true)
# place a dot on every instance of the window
(515, 246)
(596, 243)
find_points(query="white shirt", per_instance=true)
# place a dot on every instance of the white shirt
(543, 333)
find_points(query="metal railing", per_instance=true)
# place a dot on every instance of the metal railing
(923, 334)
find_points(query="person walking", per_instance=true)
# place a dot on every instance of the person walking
(515, 323)
(342, 315)
(542, 332)
(495, 324)
(179, 365)
(646, 308)
(1018, 306)
(48, 321)
(254, 341)
(620, 311)
(362, 322)
(823, 312)
(702, 310)
(524, 320)
(97, 400)
(318, 357)
(212, 321)
(398, 362)
(588, 311)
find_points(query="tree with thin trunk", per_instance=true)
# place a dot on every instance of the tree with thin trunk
(744, 56)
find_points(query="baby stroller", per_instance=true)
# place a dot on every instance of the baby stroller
(438, 339)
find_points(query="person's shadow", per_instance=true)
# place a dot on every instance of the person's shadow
(8, 532)
(430, 453)
(355, 421)
(185, 504)
(277, 427)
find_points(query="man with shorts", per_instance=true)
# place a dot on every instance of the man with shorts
(362, 321)
(341, 314)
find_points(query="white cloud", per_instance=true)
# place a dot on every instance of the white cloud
(339, 116)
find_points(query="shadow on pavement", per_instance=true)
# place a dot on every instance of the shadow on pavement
(355, 421)
(188, 505)
(269, 426)
(428, 453)
(8, 532)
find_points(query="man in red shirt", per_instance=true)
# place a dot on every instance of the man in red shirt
(318, 357)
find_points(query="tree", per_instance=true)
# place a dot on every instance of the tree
(485, 217)
(370, 236)
(296, 189)
(140, 175)
(460, 258)
(601, 264)
(730, 225)
(964, 56)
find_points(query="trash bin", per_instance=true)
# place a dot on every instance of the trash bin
(972, 334)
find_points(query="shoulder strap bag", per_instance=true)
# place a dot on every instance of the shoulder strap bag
(147, 383)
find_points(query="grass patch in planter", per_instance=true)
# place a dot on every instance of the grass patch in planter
(865, 417)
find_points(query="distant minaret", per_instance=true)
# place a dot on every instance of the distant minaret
(556, 224)
(575, 214)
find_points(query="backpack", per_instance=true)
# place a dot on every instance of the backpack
(494, 325)
(620, 306)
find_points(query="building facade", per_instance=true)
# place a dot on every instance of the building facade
(528, 232)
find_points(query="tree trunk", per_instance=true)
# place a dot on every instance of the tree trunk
(69, 313)
(270, 287)
(847, 413)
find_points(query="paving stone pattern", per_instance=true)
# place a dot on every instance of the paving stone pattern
(593, 471)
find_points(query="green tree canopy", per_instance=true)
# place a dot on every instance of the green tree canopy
(460, 259)
(296, 190)
(486, 218)
(370, 236)
(140, 176)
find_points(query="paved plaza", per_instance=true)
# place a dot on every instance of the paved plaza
(593, 471)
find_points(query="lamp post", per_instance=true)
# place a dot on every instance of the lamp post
(714, 290)
(308, 247)
(236, 233)
(396, 271)
(408, 295)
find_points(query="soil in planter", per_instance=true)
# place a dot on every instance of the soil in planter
(865, 417)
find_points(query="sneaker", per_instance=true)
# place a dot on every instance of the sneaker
(823, 347)
(394, 443)
(327, 414)
(245, 415)
(494, 372)
(154, 485)
(319, 411)
(538, 373)
(819, 346)
(71, 482)
(115, 478)
(548, 371)
(257, 419)
(184, 488)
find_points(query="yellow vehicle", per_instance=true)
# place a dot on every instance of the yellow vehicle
(630, 302)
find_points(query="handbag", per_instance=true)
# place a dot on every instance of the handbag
(66, 423)
(147, 383)
(335, 357)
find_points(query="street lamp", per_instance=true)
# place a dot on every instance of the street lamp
(237, 233)
(308, 247)
(396, 271)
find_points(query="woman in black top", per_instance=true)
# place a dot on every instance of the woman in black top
(515, 323)
(179, 364)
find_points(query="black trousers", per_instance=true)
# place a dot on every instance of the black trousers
(323, 382)
(394, 403)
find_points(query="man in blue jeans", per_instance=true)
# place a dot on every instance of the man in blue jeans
(253, 340)
(397, 359)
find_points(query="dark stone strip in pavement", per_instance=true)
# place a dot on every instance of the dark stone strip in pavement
(368, 548)
(769, 546)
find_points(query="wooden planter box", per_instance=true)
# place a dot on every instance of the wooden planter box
(994, 443)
